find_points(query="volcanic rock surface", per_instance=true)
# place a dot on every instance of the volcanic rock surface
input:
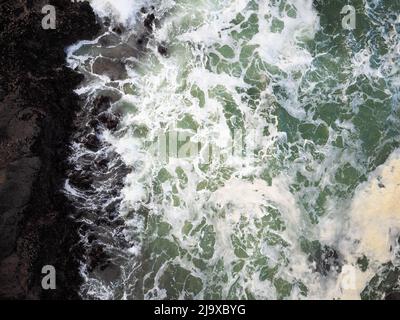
(37, 107)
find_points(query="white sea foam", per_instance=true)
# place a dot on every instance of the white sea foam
(161, 103)
(124, 11)
(231, 195)
(371, 228)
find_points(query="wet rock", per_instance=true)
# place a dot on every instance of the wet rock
(101, 104)
(384, 284)
(109, 120)
(162, 50)
(81, 180)
(86, 158)
(112, 207)
(121, 171)
(327, 259)
(113, 95)
(15, 194)
(97, 256)
(102, 163)
(109, 271)
(149, 22)
(91, 238)
(395, 295)
(142, 40)
(3, 133)
(114, 69)
(118, 29)
(109, 40)
(92, 142)
(120, 51)
(94, 123)
(37, 106)
(363, 263)
(324, 258)
(106, 21)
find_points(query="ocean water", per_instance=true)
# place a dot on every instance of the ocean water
(258, 158)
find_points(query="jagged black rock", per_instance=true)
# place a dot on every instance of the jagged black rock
(37, 107)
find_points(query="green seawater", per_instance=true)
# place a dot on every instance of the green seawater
(316, 110)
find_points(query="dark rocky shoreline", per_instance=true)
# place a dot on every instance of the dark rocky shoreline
(37, 109)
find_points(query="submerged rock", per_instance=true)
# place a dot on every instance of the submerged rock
(162, 50)
(325, 259)
(150, 21)
(80, 179)
(394, 295)
(109, 40)
(101, 104)
(97, 256)
(92, 142)
(109, 271)
(384, 285)
(119, 52)
(114, 69)
(118, 29)
(109, 120)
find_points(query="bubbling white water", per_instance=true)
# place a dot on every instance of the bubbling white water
(160, 105)
(374, 222)
(123, 11)
(224, 211)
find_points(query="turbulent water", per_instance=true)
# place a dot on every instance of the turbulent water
(256, 155)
